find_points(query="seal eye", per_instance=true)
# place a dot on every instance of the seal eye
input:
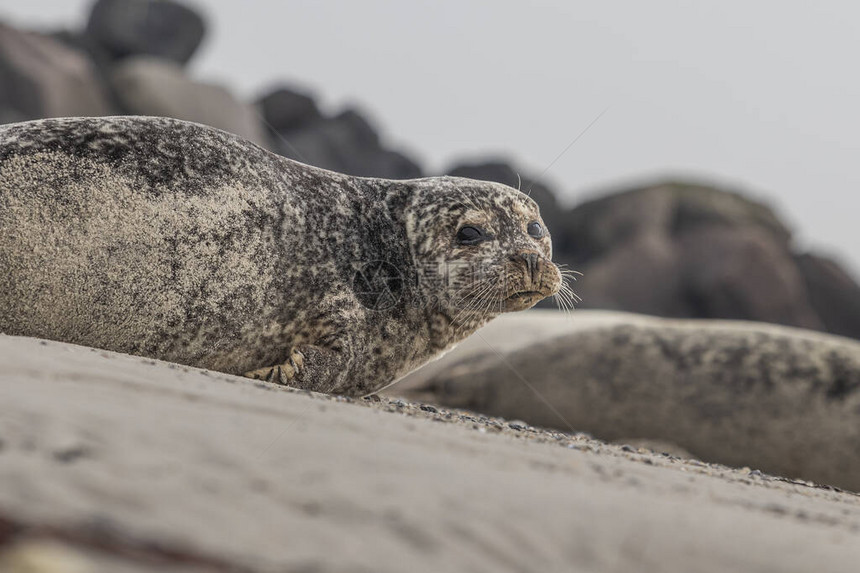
(535, 230)
(470, 235)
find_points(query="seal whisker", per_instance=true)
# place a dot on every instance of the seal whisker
(564, 270)
(573, 297)
(464, 299)
(561, 307)
(566, 298)
(481, 305)
(470, 291)
(561, 300)
(465, 311)
(476, 302)
(568, 293)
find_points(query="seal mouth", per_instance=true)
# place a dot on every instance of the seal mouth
(526, 294)
(521, 300)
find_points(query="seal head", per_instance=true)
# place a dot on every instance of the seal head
(480, 248)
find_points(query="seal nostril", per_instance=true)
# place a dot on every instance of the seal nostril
(532, 261)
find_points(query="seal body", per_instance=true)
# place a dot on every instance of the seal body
(780, 399)
(173, 240)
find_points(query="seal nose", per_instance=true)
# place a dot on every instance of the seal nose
(533, 262)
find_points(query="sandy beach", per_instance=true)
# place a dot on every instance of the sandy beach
(118, 463)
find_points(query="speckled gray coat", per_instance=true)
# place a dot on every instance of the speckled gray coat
(173, 240)
(779, 399)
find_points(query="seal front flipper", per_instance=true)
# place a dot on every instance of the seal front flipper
(309, 367)
(280, 373)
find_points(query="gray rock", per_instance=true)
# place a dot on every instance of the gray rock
(742, 273)
(346, 143)
(19, 94)
(782, 400)
(41, 77)
(599, 226)
(286, 110)
(683, 250)
(148, 86)
(159, 28)
(833, 293)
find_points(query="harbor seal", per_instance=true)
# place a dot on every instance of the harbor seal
(177, 241)
(775, 398)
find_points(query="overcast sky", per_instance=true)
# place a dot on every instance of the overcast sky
(759, 95)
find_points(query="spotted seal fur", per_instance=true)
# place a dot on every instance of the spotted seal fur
(172, 240)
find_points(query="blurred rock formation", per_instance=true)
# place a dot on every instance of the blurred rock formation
(686, 250)
(346, 142)
(41, 77)
(160, 28)
(834, 295)
(149, 86)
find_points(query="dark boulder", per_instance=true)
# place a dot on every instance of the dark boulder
(346, 143)
(685, 250)
(20, 97)
(742, 273)
(286, 110)
(834, 295)
(598, 226)
(160, 28)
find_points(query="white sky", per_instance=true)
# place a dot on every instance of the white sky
(763, 95)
